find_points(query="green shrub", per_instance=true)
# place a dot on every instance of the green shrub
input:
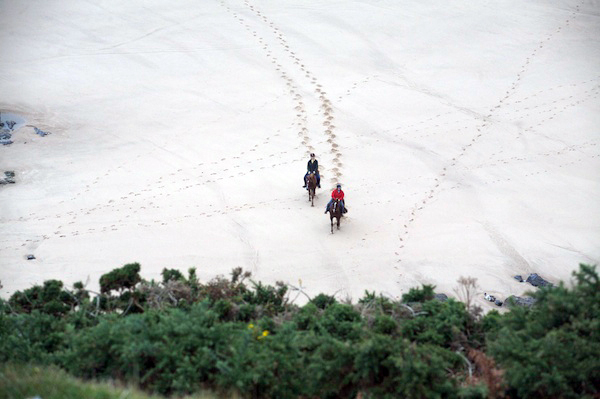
(328, 367)
(377, 303)
(193, 281)
(271, 299)
(385, 325)
(322, 301)
(160, 350)
(425, 293)
(371, 360)
(261, 364)
(171, 275)
(246, 312)
(223, 309)
(50, 298)
(342, 321)
(441, 324)
(122, 278)
(306, 318)
(479, 391)
(31, 336)
(233, 338)
(409, 371)
(553, 348)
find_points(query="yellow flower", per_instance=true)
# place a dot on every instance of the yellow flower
(250, 325)
(265, 333)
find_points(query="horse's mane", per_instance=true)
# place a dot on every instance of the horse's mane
(312, 178)
(336, 203)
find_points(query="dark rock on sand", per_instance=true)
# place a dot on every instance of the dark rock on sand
(9, 179)
(5, 138)
(518, 301)
(40, 132)
(535, 280)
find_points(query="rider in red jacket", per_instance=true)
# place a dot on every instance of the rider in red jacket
(339, 195)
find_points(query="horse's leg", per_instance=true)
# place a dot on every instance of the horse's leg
(338, 222)
(331, 219)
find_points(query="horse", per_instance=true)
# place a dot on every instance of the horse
(335, 211)
(311, 187)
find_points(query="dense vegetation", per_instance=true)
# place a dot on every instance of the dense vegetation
(239, 337)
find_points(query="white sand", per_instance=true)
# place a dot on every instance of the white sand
(465, 134)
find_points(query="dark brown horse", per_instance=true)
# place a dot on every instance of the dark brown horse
(311, 184)
(335, 211)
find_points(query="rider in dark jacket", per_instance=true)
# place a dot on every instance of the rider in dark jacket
(312, 166)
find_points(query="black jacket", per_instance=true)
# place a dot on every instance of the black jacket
(313, 166)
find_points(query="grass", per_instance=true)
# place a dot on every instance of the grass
(28, 381)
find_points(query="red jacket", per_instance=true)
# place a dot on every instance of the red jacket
(337, 194)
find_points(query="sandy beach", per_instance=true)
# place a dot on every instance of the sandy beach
(465, 135)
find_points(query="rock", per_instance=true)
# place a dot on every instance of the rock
(5, 136)
(6, 142)
(441, 297)
(537, 281)
(519, 278)
(518, 301)
(9, 179)
(30, 257)
(40, 132)
(498, 302)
